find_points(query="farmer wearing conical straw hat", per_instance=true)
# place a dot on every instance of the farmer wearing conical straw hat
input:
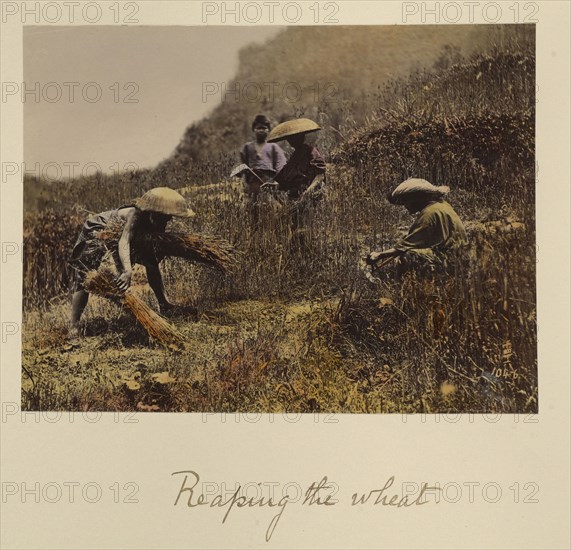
(149, 214)
(436, 233)
(306, 163)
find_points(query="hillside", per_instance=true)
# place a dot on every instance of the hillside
(336, 73)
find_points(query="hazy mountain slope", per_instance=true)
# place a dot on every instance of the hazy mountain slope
(343, 63)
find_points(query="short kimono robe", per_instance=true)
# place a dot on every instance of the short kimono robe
(301, 169)
(435, 234)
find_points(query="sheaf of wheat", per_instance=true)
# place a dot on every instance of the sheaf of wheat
(104, 283)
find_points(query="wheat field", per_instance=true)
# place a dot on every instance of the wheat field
(297, 327)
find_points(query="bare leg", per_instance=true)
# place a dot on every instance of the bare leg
(78, 303)
(156, 283)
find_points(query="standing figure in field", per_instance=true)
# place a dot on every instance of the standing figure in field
(304, 171)
(302, 178)
(437, 233)
(149, 214)
(265, 159)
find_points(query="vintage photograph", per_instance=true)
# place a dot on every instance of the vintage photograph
(267, 219)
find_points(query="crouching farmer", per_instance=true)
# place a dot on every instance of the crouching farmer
(149, 214)
(437, 235)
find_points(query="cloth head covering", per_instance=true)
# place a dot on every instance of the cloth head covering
(262, 120)
(417, 187)
(164, 201)
(292, 127)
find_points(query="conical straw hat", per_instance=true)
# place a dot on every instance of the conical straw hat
(164, 201)
(417, 186)
(292, 127)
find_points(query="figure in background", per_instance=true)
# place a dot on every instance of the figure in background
(437, 234)
(301, 171)
(149, 213)
(302, 178)
(265, 159)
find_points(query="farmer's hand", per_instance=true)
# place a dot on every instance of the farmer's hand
(124, 280)
(269, 185)
(373, 258)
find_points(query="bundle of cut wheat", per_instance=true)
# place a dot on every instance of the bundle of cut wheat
(104, 283)
(205, 249)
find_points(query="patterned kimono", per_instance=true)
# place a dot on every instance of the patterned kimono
(266, 163)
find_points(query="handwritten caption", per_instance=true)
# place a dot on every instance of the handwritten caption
(323, 493)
